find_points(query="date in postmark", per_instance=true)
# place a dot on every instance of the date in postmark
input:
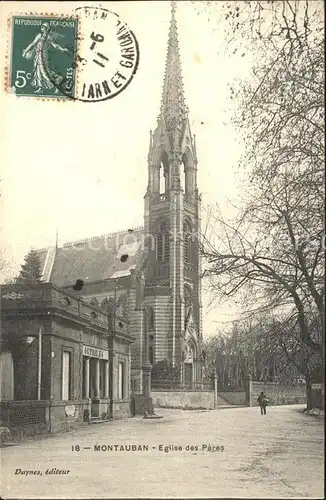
(107, 56)
(43, 56)
(90, 56)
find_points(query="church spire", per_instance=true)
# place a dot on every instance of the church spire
(173, 108)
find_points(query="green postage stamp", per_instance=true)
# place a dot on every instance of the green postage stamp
(43, 54)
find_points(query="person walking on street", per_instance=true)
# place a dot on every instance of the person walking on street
(262, 400)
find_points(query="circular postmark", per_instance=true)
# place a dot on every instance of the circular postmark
(106, 57)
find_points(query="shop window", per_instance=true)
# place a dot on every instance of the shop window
(121, 376)
(66, 376)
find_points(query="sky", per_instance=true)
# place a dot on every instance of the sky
(82, 167)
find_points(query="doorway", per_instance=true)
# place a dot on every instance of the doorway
(188, 374)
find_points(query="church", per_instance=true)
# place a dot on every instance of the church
(150, 275)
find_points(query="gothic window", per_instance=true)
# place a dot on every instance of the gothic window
(166, 247)
(160, 239)
(164, 174)
(150, 318)
(183, 174)
(162, 179)
(163, 243)
(187, 242)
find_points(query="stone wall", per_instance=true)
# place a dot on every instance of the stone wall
(183, 399)
(121, 409)
(278, 394)
(28, 418)
(233, 397)
(318, 396)
(162, 315)
(140, 404)
(25, 418)
(66, 415)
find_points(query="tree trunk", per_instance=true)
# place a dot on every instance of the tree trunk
(308, 394)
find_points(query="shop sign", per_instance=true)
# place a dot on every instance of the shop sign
(94, 352)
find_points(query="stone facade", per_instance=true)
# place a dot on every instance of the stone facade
(67, 354)
(151, 275)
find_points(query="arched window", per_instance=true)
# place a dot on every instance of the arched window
(164, 174)
(163, 243)
(184, 174)
(162, 179)
(187, 242)
(150, 318)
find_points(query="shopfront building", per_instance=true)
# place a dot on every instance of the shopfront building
(70, 361)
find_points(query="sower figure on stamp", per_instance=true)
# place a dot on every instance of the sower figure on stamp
(262, 400)
(43, 77)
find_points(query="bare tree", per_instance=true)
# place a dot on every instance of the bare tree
(253, 346)
(273, 251)
(7, 274)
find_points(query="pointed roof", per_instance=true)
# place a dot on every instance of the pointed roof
(173, 107)
(112, 255)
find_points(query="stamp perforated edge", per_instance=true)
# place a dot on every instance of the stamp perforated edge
(9, 45)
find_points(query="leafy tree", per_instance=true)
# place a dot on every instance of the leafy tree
(31, 270)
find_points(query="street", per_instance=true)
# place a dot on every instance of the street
(277, 455)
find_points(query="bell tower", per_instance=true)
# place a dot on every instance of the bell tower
(172, 228)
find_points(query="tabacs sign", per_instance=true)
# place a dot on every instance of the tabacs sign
(94, 352)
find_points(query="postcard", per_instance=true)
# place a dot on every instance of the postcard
(162, 254)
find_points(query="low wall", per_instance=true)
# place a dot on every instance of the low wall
(318, 396)
(66, 415)
(278, 394)
(140, 404)
(184, 399)
(121, 409)
(30, 418)
(25, 418)
(233, 398)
